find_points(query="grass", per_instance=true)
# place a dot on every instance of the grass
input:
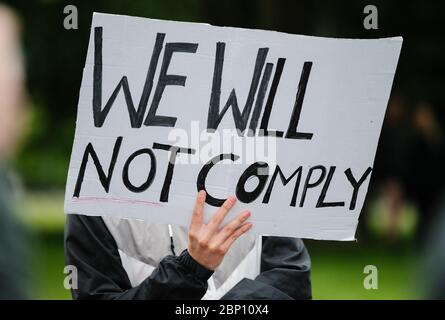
(338, 271)
(47, 266)
(337, 267)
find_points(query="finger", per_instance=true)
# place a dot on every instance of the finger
(198, 211)
(220, 214)
(230, 228)
(235, 235)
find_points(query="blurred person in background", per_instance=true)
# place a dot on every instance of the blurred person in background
(433, 282)
(12, 269)
(427, 179)
(392, 215)
(409, 170)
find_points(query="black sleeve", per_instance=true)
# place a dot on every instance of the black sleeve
(91, 248)
(285, 273)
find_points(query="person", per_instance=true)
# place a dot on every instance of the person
(13, 273)
(432, 253)
(133, 259)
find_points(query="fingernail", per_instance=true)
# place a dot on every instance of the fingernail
(232, 199)
(202, 194)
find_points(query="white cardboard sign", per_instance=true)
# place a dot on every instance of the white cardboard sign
(157, 100)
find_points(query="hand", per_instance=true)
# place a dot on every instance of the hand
(208, 243)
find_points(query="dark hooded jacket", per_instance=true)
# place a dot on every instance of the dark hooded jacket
(129, 259)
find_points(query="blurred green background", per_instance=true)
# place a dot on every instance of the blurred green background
(337, 267)
(398, 208)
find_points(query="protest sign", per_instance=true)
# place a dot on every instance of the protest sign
(287, 123)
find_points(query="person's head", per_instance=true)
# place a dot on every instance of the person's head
(12, 92)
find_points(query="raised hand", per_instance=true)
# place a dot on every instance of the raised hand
(208, 243)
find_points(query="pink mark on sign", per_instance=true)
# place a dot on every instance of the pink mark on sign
(118, 200)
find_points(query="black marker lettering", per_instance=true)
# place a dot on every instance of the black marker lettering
(270, 99)
(171, 166)
(136, 116)
(151, 174)
(104, 178)
(356, 185)
(285, 181)
(295, 118)
(259, 170)
(167, 80)
(215, 116)
(260, 98)
(200, 182)
(320, 202)
(309, 184)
